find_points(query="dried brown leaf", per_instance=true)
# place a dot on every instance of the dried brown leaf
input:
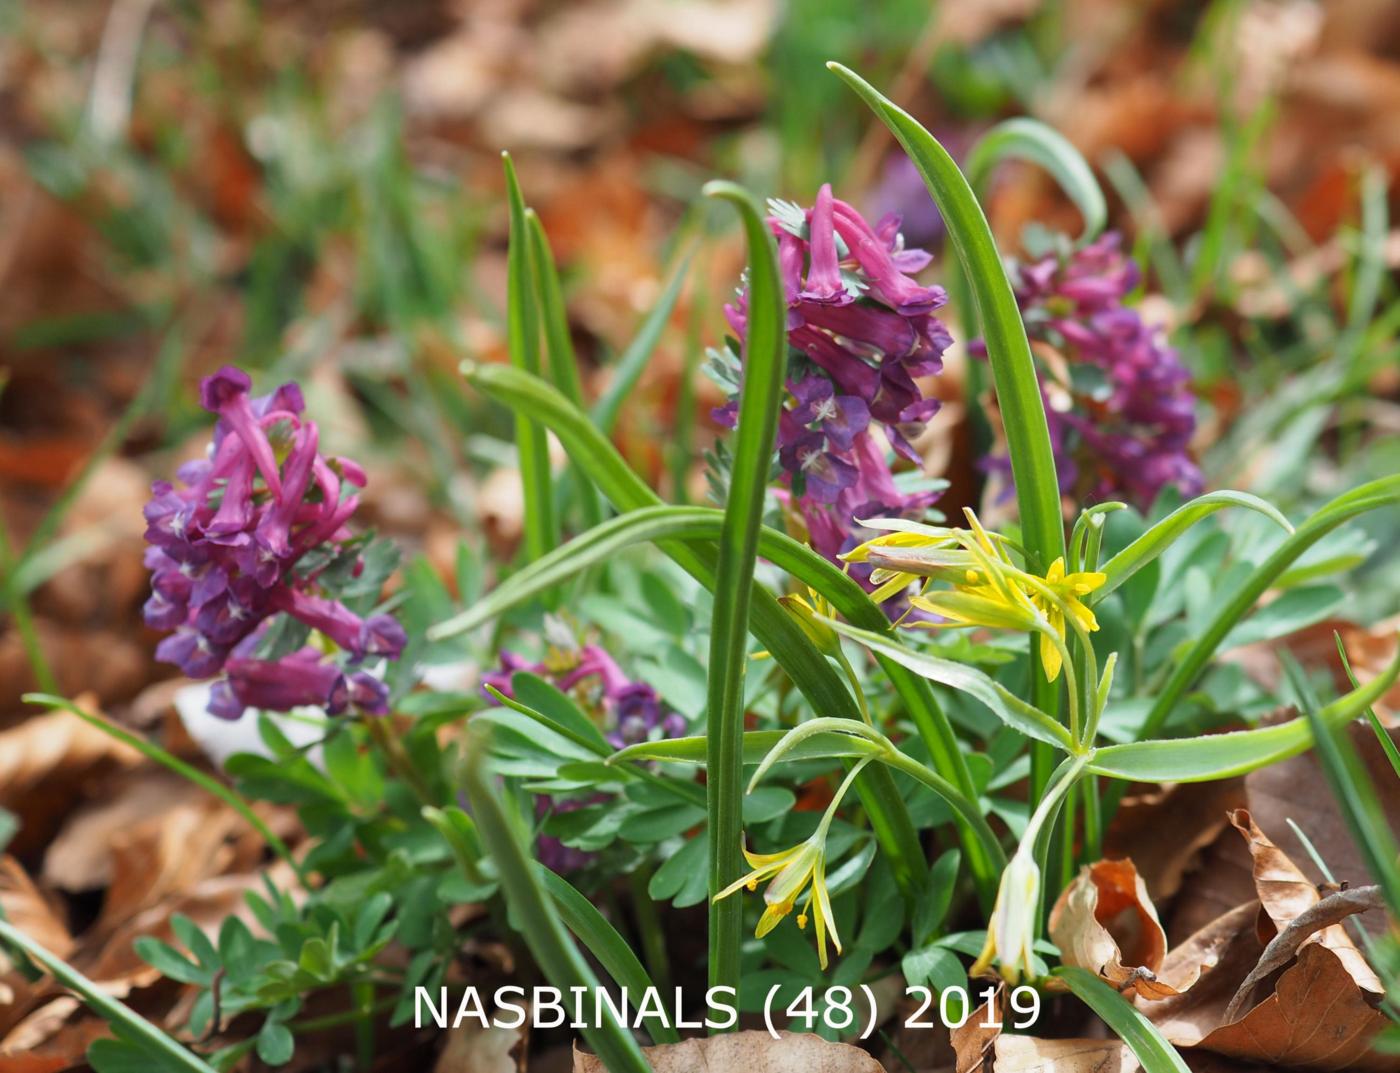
(1105, 922)
(473, 1049)
(748, 1052)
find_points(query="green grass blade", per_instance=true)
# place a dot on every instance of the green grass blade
(1146, 548)
(774, 628)
(559, 348)
(117, 1014)
(633, 363)
(757, 745)
(1371, 496)
(152, 751)
(601, 939)
(1131, 1025)
(1392, 753)
(1031, 140)
(540, 925)
(1009, 355)
(523, 337)
(1360, 807)
(1219, 756)
(765, 365)
(1008, 350)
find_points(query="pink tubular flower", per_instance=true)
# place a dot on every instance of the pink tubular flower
(229, 552)
(862, 330)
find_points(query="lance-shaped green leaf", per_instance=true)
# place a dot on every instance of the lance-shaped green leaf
(1005, 705)
(765, 366)
(163, 1052)
(701, 525)
(559, 348)
(540, 926)
(1146, 548)
(523, 340)
(757, 746)
(811, 672)
(1361, 808)
(1132, 1026)
(601, 939)
(1220, 756)
(1032, 141)
(1008, 354)
(1371, 496)
(1008, 349)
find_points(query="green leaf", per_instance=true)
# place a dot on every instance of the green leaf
(1294, 610)
(934, 965)
(169, 962)
(1009, 351)
(683, 876)
(1033, 141)
(275, 1043)
(9, 824)
(757, 745)
(1219, 756)
(662, 524)
(1371, 496)
(1146, 548)
(1004, 704)
(1131, 1025)
(559, 347)
(604, 943)
(548, 703)
(765, 365)
(134, 1029)
(1356, 796)
(776, 631)
(540, 925)
(523, 337)
(943, 878)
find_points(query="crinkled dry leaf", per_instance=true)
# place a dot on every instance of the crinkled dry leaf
(1025, 1054)
(973, 1040)
(1164, 829)
(473, 1049)
(1317, 1018)
(26, 908)
(51, 748)
(1286, 893)
(748, 1052)
(1105, 922)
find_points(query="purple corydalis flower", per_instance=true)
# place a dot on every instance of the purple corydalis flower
(867, 327)
(1130, 438)
(226, 394)
(224, 559)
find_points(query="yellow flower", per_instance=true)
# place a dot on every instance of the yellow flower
(791, 872)
(808, 610)
(1067, 588)
(1011, 931)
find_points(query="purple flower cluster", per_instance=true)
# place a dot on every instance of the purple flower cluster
(863, 330)
(1121, 411)
(229, 553)
(628, 712)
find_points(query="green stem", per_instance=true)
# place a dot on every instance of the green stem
(152, 751)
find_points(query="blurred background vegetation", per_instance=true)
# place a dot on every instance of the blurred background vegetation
(314, 190)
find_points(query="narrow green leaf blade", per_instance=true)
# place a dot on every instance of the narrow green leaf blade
(1146, 548)
(1031, 140)
(1131, 1025)
(541, 927)
(523, 339)
(765, 365)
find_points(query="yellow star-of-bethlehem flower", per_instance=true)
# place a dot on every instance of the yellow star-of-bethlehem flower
(1011, 931)
(791, 871)
(1068, 588)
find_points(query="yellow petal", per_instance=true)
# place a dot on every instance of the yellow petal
(1050, 658)
(770, 918)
